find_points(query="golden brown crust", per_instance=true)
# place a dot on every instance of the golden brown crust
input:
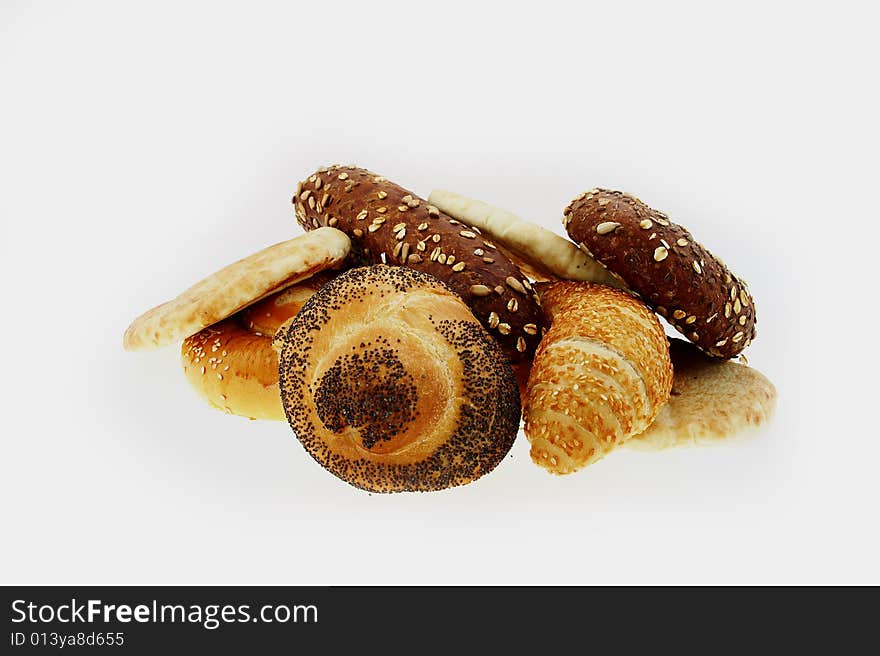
(681, 280)
(390, 383)
(600, 375)
(233, 287)
(711, 401)
(232, 364)
(390, 225)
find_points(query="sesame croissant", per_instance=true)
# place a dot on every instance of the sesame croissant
(600, 375)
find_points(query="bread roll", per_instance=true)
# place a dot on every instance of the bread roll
(390, 225)
(232, 364)
(391, 384)
(687, 285)
(600, 375)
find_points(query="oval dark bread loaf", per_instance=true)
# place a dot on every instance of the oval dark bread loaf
(681, 280)
(390, 225)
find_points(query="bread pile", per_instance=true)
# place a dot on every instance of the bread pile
(404, 339)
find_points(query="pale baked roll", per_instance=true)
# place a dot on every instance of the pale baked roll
(712, 401)
(392, 385)
(232, 364)
(600, 375)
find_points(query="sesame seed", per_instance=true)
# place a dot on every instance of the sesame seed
(697, 267)
(480, 290)
(305, 195)
(504, 328)
(744, 297)
(721, 342)
(660, 254)
(645, 224)
(679, 314)
(493, 320)
(607, 226)
(737, 337)
(742, 320)
(682, 242)
(690, 319)
(489, 244)
(520, 344)
(459, 267)
(203, 371)
(515, 284)
(219, 376)
(530, 329)
(732, 293)
(665, 244)
(383, 258)
(527, 284)
(318, 183)
(512, 305)
(727, 310)
(467, 234)
(737, 306)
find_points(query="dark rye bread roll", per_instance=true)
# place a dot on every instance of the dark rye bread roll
(390, 225)
(391, 384)
(676, 276)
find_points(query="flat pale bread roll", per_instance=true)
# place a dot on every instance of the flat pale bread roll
(236, 286)
(544, 249)
(711, 400)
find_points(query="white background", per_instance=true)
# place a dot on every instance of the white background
(143, 146)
